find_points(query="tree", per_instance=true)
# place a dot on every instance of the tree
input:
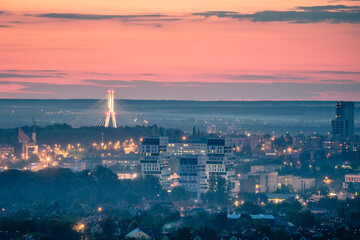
(251, 208)
(108, 227)
(279, 144)
(212, 183)
(133, 225)
(208, 233)
(243, 223)
(183, 234)
(221, 191)
(303, 219)
(180, 194)
(219, 221)
(280, 234)
(262, 227)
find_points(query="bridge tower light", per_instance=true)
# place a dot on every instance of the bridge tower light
(111, 113)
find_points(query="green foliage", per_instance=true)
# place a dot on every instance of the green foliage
(47, 228)
(280, 234)
(133, 225)
(279, 144)
(245, 152)
(262, 227)
(287, 206)
(219, 221)
(207, 232)
(243, 223)
(218, 194)
(108, 226)
(303, 219)
(180, 194)
(344, 233)
(251, 208)
(183, 234)
(76, 190)
(212, 183)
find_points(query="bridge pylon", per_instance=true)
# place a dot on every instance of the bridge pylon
(110, 113)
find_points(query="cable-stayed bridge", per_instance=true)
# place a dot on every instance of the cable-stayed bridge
(109, 112)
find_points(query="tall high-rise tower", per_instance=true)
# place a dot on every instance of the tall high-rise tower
(110, 113)
(343, 124)
(33, 136)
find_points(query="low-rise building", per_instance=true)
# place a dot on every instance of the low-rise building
(178, 149)
(299, 184)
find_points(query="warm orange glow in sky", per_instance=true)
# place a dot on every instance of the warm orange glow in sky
(180, 49)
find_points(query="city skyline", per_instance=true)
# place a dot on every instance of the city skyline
(268, 50)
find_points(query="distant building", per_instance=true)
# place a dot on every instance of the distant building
(79, 165)
(268, 181)
(270, 219)
(314, 142)
(352, 178)
(6, 151)
(279, 197)
(178, 149)
(192, 174)
(154, 158)
(265, 168)
(28, 146)
(343, 124)
(298, 183)
(220, 159)
(263, 181)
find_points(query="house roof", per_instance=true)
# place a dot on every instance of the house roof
(23, 137)
(261, 216)
(137, 230)
(233, 216)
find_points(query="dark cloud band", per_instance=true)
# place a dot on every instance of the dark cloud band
(330, 13)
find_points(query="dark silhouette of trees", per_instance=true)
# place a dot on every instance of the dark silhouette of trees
(180, 194)
(75, 190)
(218, 193)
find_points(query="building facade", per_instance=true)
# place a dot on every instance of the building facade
(178, 149)
(154, 159)
(192, 174)
(343, 124)
(220, 159)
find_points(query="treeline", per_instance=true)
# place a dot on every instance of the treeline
(77, 191)
(64, 134)
(49, 228)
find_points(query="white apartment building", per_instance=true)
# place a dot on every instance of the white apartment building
(154, 158)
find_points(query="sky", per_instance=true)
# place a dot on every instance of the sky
(180, 49)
